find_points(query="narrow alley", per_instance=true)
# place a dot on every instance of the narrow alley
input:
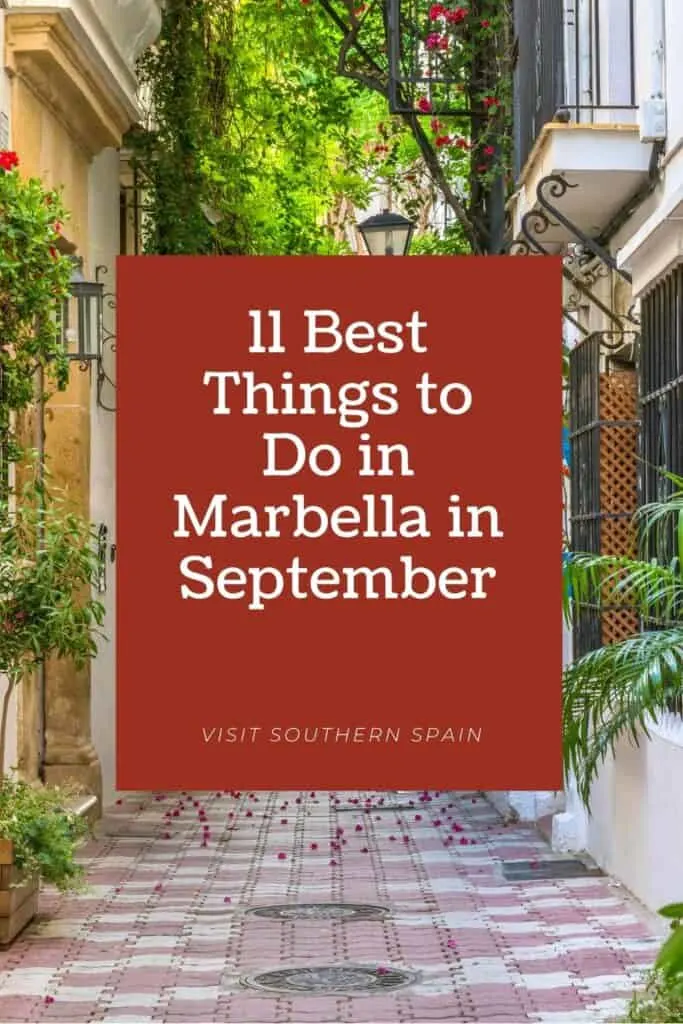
(405, 913)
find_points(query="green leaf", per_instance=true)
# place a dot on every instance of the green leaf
(674, 910)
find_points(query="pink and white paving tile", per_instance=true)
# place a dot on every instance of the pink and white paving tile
(387, 907)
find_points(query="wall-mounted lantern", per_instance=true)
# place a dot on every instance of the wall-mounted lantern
(81, 317)
(84, 334)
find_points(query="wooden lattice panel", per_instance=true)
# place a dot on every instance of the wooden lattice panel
(618, 486)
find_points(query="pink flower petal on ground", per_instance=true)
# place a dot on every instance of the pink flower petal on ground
(282, 856)
(167, 835)
(452, 944)
(364, 849)
(314, 846)
(333, 863)
(392, 839)
(158, 887)
(283, 821)
(49, 1000)
(382, 970)
(227, 899)
(418, 817)
(359, 828)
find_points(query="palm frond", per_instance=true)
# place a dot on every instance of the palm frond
(612, 692)
(655, 590)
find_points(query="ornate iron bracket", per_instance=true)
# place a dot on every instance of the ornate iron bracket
(107, 342)
(537, 222)
(557, 187)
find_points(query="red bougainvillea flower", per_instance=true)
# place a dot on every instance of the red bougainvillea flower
(435, 41)
(456, 16)
(8, 160)
(482, 168)
(424, 105)
(489, 150)
(305, 3)
(442, 140)
(435, 124)
(491, 102)
(436, 11)
(486, 23)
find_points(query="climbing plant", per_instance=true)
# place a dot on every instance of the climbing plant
(47, 558)
(252, 141)
(470, 47)
(34, 280)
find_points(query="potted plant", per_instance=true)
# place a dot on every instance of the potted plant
(47, 552)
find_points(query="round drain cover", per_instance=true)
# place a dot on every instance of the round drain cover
(335, 980)
(321, 911)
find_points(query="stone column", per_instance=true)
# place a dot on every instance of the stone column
(69, 753)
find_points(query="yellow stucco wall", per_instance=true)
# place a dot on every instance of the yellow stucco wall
(60, 120)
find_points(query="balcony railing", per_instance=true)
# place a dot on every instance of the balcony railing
(575, 59)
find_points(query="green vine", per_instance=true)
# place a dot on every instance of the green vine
(47, 555)
(34, 281)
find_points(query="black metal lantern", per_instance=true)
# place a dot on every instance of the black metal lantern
(387, 234)
(81, 317)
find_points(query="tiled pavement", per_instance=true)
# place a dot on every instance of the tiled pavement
(162, 933)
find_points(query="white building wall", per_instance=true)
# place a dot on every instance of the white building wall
(635, 830)
(104, 245)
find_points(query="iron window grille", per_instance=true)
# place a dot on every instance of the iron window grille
(603, 433)
(661, 404)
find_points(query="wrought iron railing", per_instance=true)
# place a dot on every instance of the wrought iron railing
(575, 60)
